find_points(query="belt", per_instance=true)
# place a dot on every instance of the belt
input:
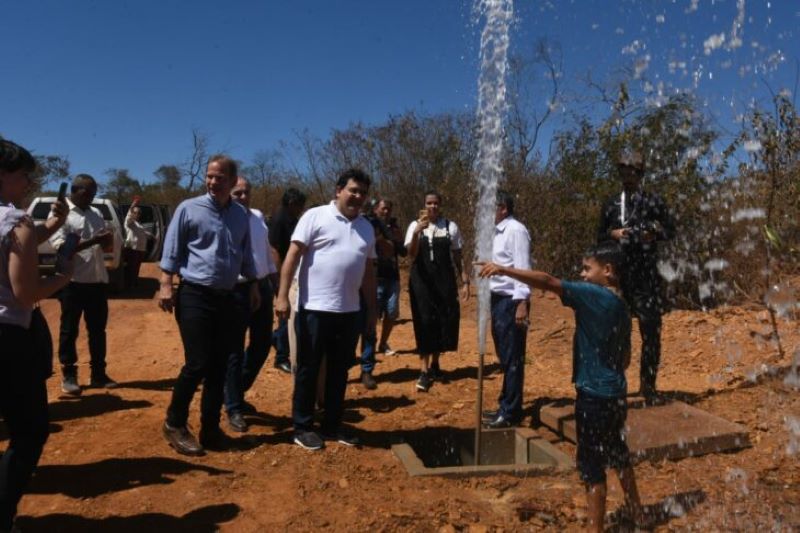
(208, 290)
(262, 282)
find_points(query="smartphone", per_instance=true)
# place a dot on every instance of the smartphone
(67, 250)
(423, 214)
(62, 191)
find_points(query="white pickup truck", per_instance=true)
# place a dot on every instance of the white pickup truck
(39, 210)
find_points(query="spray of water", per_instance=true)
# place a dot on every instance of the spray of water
(491, 109)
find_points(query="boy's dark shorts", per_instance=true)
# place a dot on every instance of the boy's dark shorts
(601, 443)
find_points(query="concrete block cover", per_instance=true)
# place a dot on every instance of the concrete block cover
(670, 431)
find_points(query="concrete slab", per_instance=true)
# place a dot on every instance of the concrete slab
(517, 451)
(671, 431)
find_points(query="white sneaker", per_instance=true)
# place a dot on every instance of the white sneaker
(387, 350)
(69, 385)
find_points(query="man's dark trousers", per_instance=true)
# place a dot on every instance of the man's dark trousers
(334, 336)
(509, 343)
(91, 301)
(642, 290)
(244, 365)
(209, 322)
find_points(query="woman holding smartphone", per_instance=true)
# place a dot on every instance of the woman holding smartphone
(434, 245)
(23, 365)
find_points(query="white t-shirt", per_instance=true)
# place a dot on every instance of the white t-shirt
(437, 230)
(332, 267)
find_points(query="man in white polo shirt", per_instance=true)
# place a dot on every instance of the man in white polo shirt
(335, 248)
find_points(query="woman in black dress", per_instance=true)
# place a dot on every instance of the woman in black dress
(434, 245)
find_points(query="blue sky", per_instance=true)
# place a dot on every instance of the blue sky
(114, 83)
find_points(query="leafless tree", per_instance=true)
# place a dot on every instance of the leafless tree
(195, 165)
(534, 94)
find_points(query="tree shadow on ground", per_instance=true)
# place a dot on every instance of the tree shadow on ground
(279, 423)
(409, 375)
(379, 404)
(165, 384)
(771, 374)
(145, 290)
(92, 405)
(660, 513)
(246, 442)
(112, 475)
(201, 520)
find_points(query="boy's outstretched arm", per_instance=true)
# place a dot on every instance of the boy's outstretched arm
(535, 278)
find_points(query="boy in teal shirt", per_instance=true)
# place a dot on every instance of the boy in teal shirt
(600, 354)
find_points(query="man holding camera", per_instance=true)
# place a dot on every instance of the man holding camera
(638, 220)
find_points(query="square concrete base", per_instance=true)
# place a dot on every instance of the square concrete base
(670, 431)
(519, 451)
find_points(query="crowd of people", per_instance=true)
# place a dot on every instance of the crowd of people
(330, 275)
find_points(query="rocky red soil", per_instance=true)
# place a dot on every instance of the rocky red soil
(107, 467)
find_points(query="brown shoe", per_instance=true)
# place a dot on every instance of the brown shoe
(368, 381)
(182, 440)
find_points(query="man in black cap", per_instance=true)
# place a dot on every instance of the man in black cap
(638, 220)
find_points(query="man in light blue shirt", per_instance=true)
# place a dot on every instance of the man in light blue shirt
(208, 246)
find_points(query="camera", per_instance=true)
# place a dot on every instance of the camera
(637, 231)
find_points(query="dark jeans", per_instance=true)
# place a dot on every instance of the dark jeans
(280, 339)
(509, 343)
(91, 301)
(23, 407)
(209, 322)
(244, 365)
(368, 341)
(329, 335)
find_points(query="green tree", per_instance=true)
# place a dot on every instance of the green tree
(121, 186)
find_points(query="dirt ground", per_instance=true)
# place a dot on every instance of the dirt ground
(107, 467)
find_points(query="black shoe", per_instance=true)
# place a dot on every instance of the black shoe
(368, 381)
(102, 381)
(237, 422)
(436, 373)
(342, 438)
(308, 440)
(424, 382)
(488, 416)
(284, 366)
(213, 438)
(248, 408)
(500, 422)
(182, 440)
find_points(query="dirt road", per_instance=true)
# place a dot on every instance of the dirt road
(106, 466)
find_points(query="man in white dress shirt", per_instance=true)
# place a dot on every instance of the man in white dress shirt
(245, 364)
(86, 292)
(510, 312)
